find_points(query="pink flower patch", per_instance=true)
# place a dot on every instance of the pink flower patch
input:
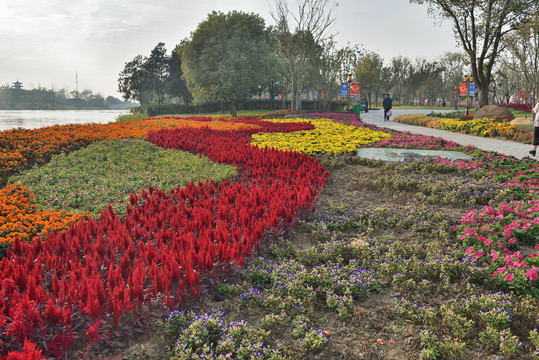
(531, 274)
(509, 277)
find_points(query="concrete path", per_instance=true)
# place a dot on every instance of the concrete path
(517, 150)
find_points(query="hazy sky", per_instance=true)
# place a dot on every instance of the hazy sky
(47, 42)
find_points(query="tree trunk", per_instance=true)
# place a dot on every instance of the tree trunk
(482, 97)
(234, 108)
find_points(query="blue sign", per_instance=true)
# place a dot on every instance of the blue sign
(344, 89)
(471, 89)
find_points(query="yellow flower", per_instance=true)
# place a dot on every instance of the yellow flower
(327, 137)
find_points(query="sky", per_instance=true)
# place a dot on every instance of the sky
(59, 44)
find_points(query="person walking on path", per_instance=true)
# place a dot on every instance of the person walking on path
(535, 110)
(388, 104)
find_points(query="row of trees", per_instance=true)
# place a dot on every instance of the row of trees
(230, 57)
(154, 79)
(49, 99)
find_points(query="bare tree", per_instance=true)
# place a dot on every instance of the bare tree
(299, 32)
(524, 46)
(480, 28)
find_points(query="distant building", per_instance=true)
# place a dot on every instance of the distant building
(17, 85)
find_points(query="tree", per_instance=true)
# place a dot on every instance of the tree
(451, 64)
(369, 74)
(147, 79)
(300, 32)
(334, 64)
(480, 28)
(176, 86)
(524, 46)
(399, 71)
(132, 81)
(226, 57)
(156, 73)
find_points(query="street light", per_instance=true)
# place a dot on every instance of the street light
(468, 79)
(349, 83)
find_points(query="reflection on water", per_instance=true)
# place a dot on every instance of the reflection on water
(32, 119)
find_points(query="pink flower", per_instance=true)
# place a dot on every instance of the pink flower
(531, 274)
(509, 277)
(512, 241)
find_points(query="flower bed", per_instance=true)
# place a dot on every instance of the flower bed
(327, 137)
(22, 148)
(106, 172)
(21, 217)
(519, 107)
(100, 272)
(479, 127)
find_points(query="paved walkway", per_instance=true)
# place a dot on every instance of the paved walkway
(517, 150)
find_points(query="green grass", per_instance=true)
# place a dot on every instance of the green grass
(107, 172)
(137, 116)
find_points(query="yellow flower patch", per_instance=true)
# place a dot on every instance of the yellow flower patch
(327, 137)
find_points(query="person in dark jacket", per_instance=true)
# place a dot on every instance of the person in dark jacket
(388, 104)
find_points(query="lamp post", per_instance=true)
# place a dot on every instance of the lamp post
(349, 83)
(455, 97)
(468, 80)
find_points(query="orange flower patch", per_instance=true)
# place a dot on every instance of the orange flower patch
(20, 217)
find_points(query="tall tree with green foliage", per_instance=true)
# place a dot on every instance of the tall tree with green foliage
(226, 58)
(156, 67)
(176, 86)
(132, 83)
(480, 28)
(368, 73)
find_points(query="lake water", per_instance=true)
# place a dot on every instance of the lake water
(32, 119)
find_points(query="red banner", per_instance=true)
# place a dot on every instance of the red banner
(354, 89)
(463, 89)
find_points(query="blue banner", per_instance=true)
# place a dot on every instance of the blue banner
(471, 89)
(344, 89)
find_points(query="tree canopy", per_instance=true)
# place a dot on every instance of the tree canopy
(480, 28)
(226, 57)
(152, 79)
